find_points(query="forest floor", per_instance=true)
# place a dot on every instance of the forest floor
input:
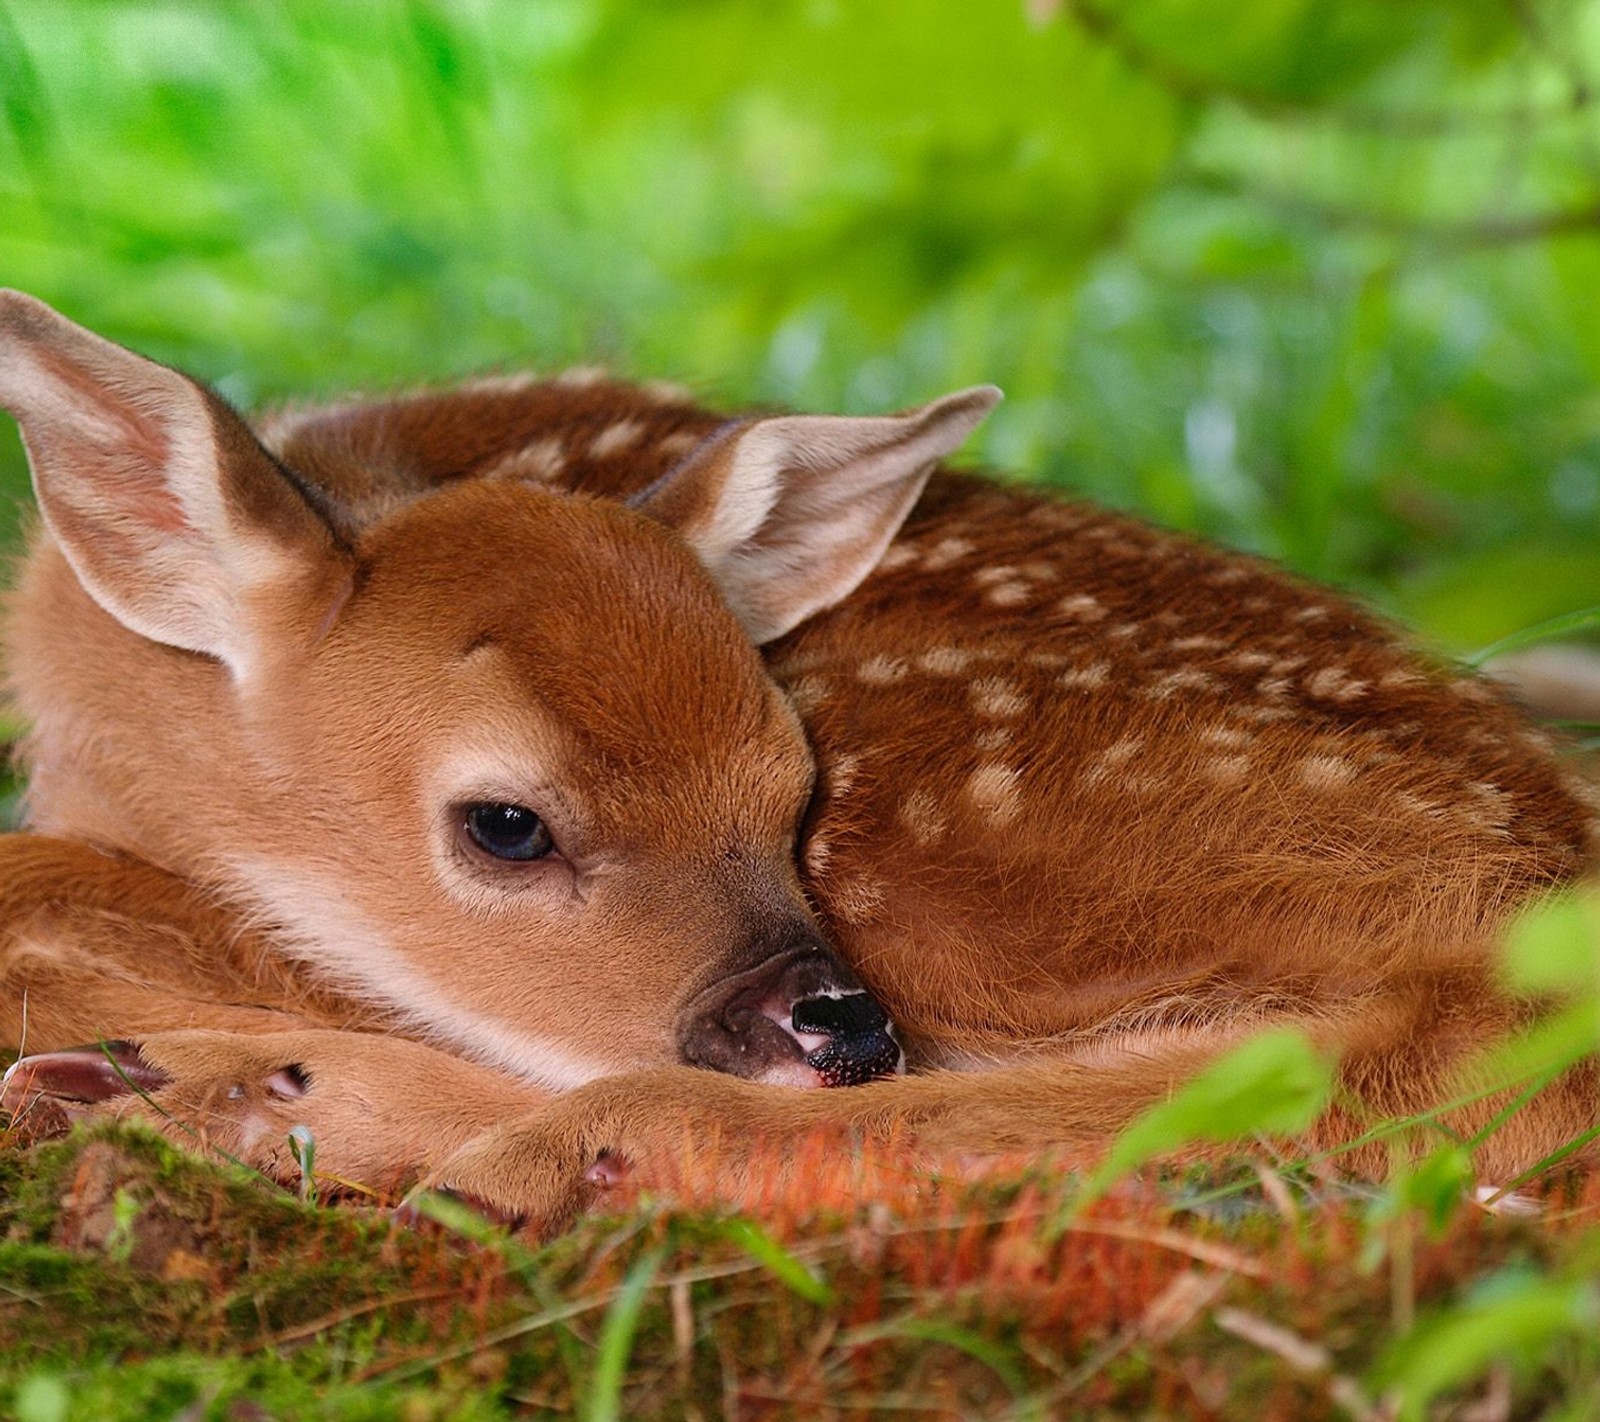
(139, 1282)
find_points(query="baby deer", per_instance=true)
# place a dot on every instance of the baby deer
(407, 769)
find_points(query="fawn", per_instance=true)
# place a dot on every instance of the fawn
(407, 768)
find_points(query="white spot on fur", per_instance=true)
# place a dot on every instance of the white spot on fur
(1251, 661)
(1416, 805)
(677, 443)
(898, 555)
(1081, 608)
(1123, 630)
(1057, 515)
(1120, 752)
(580, 376)
(995, 696)
(1112, 761)
(809, 693)
(1494, 806)
(880, 671)
(542, 460)
(988, 577)
(1401, 677)
(856, 900)
(1264, 713)
(841, 775)
(1230, 736)
(1325, 772)
(818, 852)
(668, 392)
(1087, 678)
(1311, 614)
(922, 814)
(1335, 684)
(613, 439)
(946, 552)
(993, 789)
(1183, 679)
(946, 661)
(992, 739)
(510, 383)
(1200, 643)
(1226, 769)
(1008, 595)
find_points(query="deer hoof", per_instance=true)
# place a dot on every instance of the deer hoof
(79, 1076)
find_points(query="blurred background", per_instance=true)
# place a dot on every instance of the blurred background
(1316, 277)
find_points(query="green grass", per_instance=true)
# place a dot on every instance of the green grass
(218, 1294)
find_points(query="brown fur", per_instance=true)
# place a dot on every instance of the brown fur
(1093, 802)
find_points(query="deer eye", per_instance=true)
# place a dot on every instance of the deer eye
(507, 831)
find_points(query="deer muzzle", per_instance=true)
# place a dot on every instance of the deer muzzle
(800, 1018)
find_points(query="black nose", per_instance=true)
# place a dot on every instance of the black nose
(860, 1042)
(800, 1018)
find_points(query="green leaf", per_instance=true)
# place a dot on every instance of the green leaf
(1556, 1042)
(1436, 1187)
(1274, 1084)
(1554, 946)
(42, 1397)
(1514, 1319)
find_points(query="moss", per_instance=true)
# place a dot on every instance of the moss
(147, 1283)
(211, 1389)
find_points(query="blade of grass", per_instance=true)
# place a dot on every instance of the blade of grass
(932, 1330)
(761, 1246)
(1534, 1171)
(1510, 1109)
(621, 1322)
(1584, 620)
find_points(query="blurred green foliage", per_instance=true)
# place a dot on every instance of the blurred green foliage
(1317, 277)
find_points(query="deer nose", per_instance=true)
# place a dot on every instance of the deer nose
(857, 1039)
(800, 1018)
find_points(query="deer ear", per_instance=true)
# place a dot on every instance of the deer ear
(173, 517)
(789, 514)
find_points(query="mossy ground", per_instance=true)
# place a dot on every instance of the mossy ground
(137, 1282)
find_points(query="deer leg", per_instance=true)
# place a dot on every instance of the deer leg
(379, 1110)
(542, 1169)
(94, 945)
(135, 994)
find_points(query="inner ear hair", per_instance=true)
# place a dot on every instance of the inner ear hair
(173, 517)
(791, 512)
